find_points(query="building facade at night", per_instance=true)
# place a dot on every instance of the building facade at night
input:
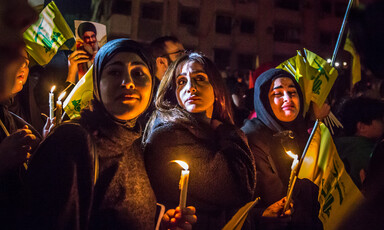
(239, 34)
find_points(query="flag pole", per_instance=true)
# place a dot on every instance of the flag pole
(297, 168)
(337, 46)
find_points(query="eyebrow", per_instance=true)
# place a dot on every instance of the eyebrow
(194, 72)
(280, 87)
(136, 63)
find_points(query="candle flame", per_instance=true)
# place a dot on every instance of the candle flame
(182, 164)
(53, 88)
(291, 154)
(61, 96)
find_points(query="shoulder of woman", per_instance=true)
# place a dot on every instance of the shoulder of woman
(169, 133)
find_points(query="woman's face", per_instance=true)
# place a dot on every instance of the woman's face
(284, 99)
(194, 93)
(22, 73)
(125, 86)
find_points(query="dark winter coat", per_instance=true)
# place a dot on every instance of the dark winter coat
(63, 192)
(11, 181)
(222, 172)
(269, 139)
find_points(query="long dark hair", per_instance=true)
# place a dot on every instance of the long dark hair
(167, 107)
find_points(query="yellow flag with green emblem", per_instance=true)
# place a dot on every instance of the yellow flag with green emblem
(338, 194)
(356, 66)
(314, 75)
(80, 95)
(48, 34)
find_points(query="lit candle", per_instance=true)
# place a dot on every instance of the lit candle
(59, 108)
(292, 178)
(183, 184)
(51, 102)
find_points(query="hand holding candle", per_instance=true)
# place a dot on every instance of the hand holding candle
(59, 108)
(183, 184)
(51, 102)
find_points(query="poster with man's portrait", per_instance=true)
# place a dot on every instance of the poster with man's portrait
(90, 36)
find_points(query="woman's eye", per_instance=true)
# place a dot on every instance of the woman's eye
(181, 81)
(277, 94)
(200, 78)
(137, 73)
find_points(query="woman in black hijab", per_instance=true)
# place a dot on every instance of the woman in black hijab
(89, 173)
(280, 127)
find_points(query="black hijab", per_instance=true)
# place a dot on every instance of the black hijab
(103, 56)
(264, 111)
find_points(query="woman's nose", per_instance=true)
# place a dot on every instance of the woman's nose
(287, 96)
(191, 88)
(128, 82)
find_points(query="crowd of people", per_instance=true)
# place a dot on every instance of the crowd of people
(153, 104)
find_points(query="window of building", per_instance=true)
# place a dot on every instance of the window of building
(287, 33)
(121, 7)
(246, 61)
(153, 10)
(222, 58)
(223, 24)
(247, 26)
(189, 16)
(288, 4)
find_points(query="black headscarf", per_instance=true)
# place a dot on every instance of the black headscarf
(104, 55)
(84, 27)
(263, 108)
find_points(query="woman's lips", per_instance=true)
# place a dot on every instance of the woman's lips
(193, 98)
(288, 107)
(129, 97)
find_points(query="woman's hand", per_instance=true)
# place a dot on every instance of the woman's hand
(77, 57)
(49, 125)
(321, 113)
(15, 149)
(179, 219)
(276, 209)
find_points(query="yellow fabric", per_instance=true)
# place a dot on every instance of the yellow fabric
(338, 195)
(314, 74)
(356, 66)
(49, 33)
(237, 221)
(80, 96)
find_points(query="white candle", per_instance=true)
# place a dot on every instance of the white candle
(59, 108)
(51, 102)
(183, 184)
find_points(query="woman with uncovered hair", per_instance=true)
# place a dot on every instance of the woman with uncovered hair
(89, 173)
(280, 127)
(194, 123)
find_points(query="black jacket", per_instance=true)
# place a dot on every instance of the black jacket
(222, 171)
(63, 191)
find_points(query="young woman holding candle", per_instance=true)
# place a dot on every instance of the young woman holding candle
(89, 173)
(278, 128)
(194, 123)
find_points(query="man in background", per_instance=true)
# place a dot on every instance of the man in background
(165, 50)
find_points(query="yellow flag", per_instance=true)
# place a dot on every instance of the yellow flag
(80, 96)
(49, 33)
(237, 221)
(314, 75)
(356, 67)
(338, 195)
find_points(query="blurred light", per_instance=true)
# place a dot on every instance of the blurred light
(337, 64)
(345, 64)
(329, 60)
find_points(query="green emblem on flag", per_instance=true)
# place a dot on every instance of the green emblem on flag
(49, 34)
